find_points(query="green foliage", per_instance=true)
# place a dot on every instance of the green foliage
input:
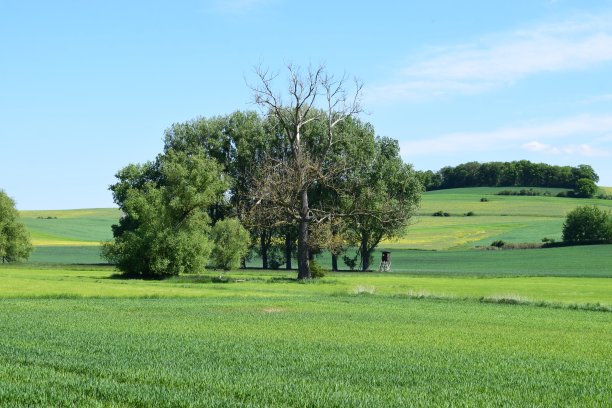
(165, 227)
(316, 270)
(231, 243)
(587, 224)
(440, 214)
(15, 242)
(382, 196)
(499, 243)
(585, 188)
(516, 173)
(350, 262)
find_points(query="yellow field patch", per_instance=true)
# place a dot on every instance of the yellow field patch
(58, 242)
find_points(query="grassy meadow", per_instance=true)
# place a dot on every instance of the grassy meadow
(449, 326)
(515, 219)
(80, 337)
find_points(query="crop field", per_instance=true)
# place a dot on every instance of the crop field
(514, 219)
(80, 337)
(70, 227)
(459, 327)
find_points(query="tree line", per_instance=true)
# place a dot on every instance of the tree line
(521, 173)
(305, 176)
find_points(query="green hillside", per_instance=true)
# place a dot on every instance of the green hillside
(515, 219)
(86, 227)
(73, 236)
(69, 236)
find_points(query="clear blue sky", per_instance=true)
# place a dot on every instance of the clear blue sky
(87, 87)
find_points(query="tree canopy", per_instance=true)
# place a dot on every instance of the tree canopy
(304, 176)
(521, 173)
(15, 242)
(164, 230)
(587, 224)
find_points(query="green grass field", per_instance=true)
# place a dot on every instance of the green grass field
(70, 227)
(77, 338)
(459, 327)
(515, 219)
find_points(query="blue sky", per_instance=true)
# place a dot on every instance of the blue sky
(87, 87)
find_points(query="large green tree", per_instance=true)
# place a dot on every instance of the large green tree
(166, 222)
(239, 142)
(15, 242)
(380, 198)
(587, 224)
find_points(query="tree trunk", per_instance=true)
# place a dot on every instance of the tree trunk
(334, 256)
(303, 264)
(263, 249)
(365, 254)
(288, 250)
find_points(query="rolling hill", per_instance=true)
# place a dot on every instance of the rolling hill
(74, 236)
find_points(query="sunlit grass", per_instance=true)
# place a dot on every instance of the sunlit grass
(78, 338)
(515, 219)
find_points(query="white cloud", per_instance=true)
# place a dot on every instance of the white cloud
(498, 60)
(584, 149)
(590, 131)
(538, 147)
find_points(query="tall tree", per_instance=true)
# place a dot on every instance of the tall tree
(15, 242)
(239, 142)
(381, 196)
(164, 230)
(314, 97)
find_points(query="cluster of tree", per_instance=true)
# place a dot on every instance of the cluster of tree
(306, 176)
(587, 224)
(507, 174)
(15, 242)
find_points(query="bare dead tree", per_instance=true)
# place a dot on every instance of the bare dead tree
(313, 96)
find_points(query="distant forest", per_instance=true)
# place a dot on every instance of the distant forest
(521, 173)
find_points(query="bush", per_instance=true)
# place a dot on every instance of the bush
(585, 188)
(484, 200)
(587, 224)
(440, 214)
(15, 245)
(316, 270)
(350, 262)
(470, 214)
(499, 243)
(232, 242)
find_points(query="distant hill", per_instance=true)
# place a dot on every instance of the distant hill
(70, 227)
(69, 236)
(515, 219)
(73, 236)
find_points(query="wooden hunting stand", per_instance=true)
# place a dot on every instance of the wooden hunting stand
(385, 262)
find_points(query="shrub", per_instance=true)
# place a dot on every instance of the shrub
(585, 188)
(587, 224)
(440, 214)
(316, 270)
(484, 200)
(232, 242)
(350, 262)
(470, 214)
(499, 243)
